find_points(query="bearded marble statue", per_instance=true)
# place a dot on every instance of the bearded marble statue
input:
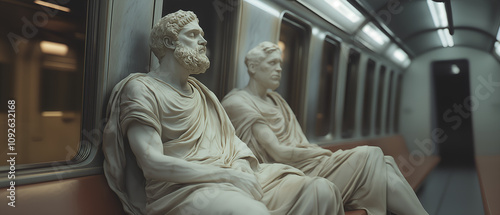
(171, 149)
(262, 118)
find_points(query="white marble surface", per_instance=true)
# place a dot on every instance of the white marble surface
(253, 32)
(129, 38)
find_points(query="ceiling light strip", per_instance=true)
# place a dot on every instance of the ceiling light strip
(346, 9)
(449, 38)
(497, 48)
(444, 42)
(51, 5)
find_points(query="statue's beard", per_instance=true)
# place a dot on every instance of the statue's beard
(191, 59)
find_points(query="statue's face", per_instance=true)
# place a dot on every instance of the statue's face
(190, 50)
(268, 72)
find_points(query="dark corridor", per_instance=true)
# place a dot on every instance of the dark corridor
(453, 109)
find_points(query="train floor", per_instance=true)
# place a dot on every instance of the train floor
(452, 190)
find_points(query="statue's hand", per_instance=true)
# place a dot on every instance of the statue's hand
(245, 181)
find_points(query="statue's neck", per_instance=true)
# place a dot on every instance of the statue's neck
(171, 72)
(257, 90)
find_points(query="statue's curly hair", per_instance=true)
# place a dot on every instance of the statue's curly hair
(169, 27)
(260, 52)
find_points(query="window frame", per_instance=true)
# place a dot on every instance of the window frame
(88, 160)
(380, 88)
(331, 85)
(397, 102)
(295, 96)
(368, 97)
(390, 98)
(348, 128)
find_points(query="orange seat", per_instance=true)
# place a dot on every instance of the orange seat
(489, 180)
(395, 146)
(79, 196)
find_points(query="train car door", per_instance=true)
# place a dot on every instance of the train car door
(454, 110)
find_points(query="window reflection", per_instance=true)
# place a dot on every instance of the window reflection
(326, 97)
(380, 99)
(397, 103)
(367, 98)
(349, 116)
(293, 39)
(41, 68)
(389, 111)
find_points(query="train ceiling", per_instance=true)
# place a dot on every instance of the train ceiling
(476, 23)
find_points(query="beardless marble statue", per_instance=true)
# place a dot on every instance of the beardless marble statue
(171, 149)
(365, 177)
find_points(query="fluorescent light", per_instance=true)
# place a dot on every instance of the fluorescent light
(346, 9)
(339, 13)
(375, 34)
(455, 69)
(449, 38)
(442, 37)
(438, 13)
(264, 7)
(400, 55)
(52, 114)
(498, 34)
(282, 45)
(54, 48)
(497, 48)
(51, 5)
(446, 38)
(397, 55)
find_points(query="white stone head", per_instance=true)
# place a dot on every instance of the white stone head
(264, 65)
(180, 32)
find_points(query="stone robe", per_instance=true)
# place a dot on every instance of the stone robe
(359, 173)
(195, 128)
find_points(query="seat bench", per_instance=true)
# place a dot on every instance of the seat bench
(488, 169)
(394, 146)
(92, 195)
(415, 169)
(78, 196)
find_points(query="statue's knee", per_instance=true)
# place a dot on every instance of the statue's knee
(248, 208)
(325, 189)
(372, 151)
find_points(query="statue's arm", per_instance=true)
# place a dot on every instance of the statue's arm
(147, 147)
(280, 153)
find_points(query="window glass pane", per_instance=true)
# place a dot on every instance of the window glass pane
(326, 96)
(367, 98)
(397, 103)
(348, 120)
(292, 42)
(41, 65)
(380, 99)
(389, 110)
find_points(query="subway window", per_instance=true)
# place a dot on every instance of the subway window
(389, 111)
(327, 83)
(368, 98)
(380, 99)
(292, 41)
(42, 51)
(397, 103)
(348, 120)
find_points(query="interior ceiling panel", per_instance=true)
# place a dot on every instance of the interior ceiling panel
(476, 22)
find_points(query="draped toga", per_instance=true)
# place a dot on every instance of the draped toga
(195, 128)
(359, 173)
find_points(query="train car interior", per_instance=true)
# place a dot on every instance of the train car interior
(418, 78)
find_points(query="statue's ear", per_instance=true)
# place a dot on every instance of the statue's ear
(169, 43)
(251, 69)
